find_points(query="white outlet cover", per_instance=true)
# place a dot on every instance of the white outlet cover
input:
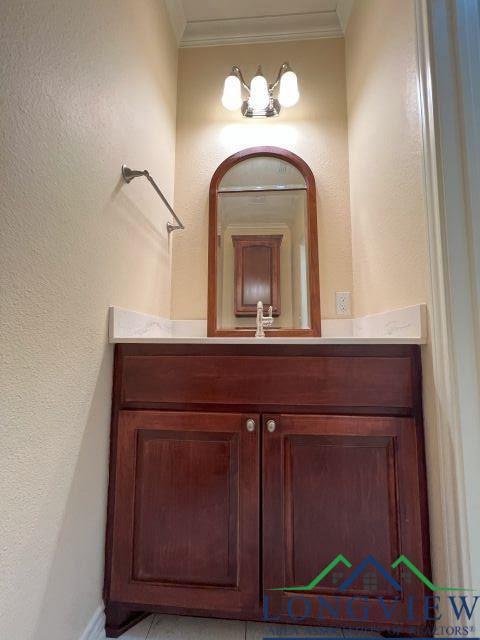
(343, 303)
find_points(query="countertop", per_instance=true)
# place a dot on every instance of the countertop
(400, 326)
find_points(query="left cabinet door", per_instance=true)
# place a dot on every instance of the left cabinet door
(186, 514)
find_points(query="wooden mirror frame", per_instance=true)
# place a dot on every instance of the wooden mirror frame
(313, 268)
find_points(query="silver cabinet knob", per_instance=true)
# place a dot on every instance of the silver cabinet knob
(271, 425)
(250, 424)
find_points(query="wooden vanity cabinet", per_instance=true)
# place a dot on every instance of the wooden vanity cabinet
(239, 469)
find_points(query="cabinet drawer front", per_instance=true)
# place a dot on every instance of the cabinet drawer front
(268, 380)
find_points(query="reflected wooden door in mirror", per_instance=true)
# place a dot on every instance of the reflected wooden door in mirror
(263, 244)
(257, 273)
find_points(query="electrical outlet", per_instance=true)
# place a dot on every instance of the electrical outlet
(343, 303)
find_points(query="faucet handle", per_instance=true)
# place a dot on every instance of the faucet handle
(270, 311)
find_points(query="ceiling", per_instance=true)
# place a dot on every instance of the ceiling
(203, 23)
(261, 210)
(211, 9)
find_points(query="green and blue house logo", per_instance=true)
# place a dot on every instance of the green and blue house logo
(367, 563)
(423, 607)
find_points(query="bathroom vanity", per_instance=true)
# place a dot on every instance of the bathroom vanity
(250, 478)
(240, 469)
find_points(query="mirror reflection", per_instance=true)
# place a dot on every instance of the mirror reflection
(262, 245)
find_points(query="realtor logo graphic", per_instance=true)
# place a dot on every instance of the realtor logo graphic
(419, 607)
(368, 562)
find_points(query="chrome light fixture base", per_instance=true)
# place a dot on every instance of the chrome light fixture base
(271, 111)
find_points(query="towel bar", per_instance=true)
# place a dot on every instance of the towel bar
(129, 174)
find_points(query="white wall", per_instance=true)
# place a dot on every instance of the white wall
(85, 86)
(451, 57)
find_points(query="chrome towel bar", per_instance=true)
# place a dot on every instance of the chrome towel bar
(130, 174)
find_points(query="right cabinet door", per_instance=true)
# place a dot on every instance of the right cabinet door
(344, 500)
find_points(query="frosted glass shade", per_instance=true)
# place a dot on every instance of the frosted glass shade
(232, 93)
(259, 96)
(288, 94)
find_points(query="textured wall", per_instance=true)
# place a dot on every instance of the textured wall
(315, 129)
(385, 151)
(85, 86)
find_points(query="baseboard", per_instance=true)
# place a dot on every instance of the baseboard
(95, 629)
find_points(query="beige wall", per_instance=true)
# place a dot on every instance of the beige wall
(85, 86)
(315, 129)
(385, 151)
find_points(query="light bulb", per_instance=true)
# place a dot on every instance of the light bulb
(232, 93)
(259, 95)
(288, 94)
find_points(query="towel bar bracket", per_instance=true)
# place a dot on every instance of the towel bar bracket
(129, 174)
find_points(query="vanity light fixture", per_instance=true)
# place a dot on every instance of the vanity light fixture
(261, 102)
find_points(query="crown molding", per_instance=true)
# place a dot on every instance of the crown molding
(294, 26)
(177, 18)
(344, 10)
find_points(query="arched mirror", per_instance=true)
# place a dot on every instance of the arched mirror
(263, 245)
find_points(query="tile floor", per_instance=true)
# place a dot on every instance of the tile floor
(162, 627)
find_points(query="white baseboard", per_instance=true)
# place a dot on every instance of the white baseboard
(95, 629)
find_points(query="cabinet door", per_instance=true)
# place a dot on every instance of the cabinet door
(257, 273)
(342, 485)
(186, 509)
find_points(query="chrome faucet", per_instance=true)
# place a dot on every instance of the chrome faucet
(263, 321)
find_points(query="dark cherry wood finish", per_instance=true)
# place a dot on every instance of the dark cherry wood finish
(354, 484)
(187, 510)
(312, 234)
(205, 517)
(257, 273)
(296, 381)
